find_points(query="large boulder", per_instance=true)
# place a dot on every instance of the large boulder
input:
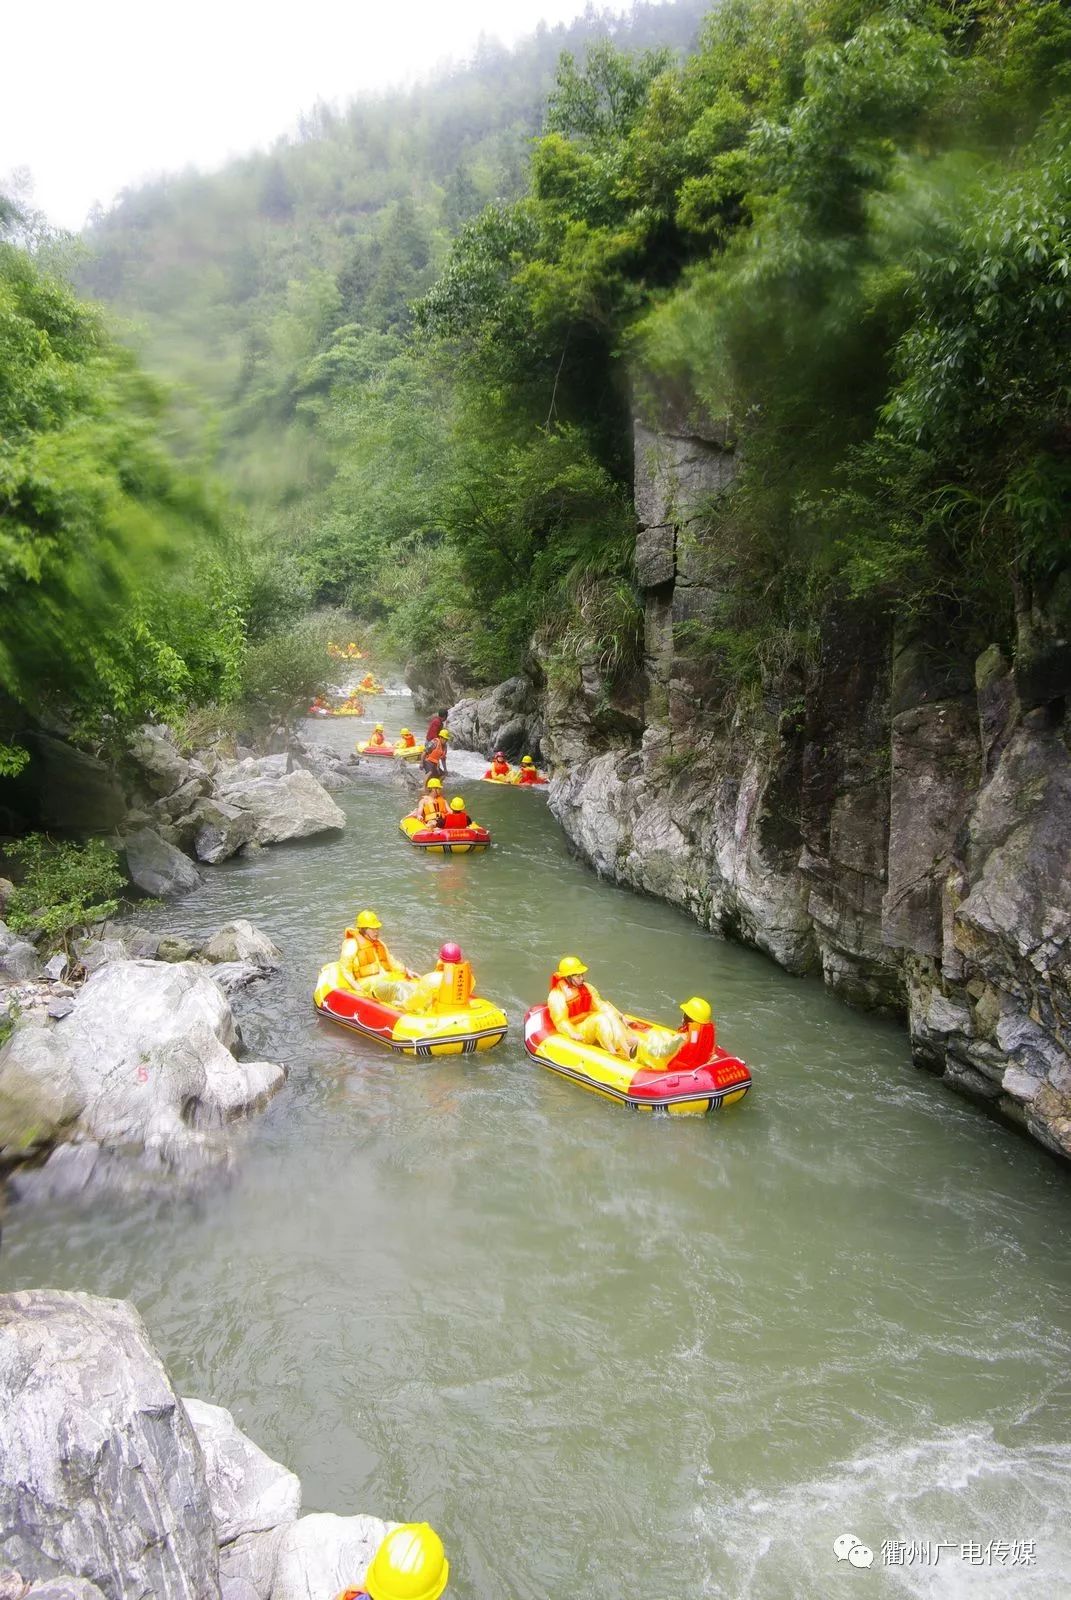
(507, 717)
(249, 1492)
(283, 805)
(221, 830)
(144, 1056)
(155, 867)
(241, 941)
(318, 1555)
(101, 1474)
(162, 767)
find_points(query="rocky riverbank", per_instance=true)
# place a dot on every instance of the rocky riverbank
(896, 817)
(114, 1488)
(124, 1065)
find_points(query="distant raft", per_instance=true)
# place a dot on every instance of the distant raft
(445, 841)
(681, 1087)
(458, 1023)
(404, 752)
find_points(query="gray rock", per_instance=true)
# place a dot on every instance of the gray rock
(283, 805)
(7, 938)
(20, 961)
(156, 867)
(174, 948)
(319, 1555)
(141, 943)
(62, 1006)
(153, 748)
(507, 717)
(65, 1588)
(248, 1491)
(56, 967)
(145, 1055)
(7, 889)
(241, 941)
(222, 830)
(101, 1474)
(173, 806)
(235, 975)
(95, 953)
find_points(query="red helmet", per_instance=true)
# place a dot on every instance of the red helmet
(450, 953)
(499, 756)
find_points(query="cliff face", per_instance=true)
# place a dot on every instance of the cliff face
(899, 822)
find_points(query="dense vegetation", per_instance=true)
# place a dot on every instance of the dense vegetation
(411, 339)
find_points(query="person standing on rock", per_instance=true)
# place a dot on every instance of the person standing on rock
(434, 762)
(435, 726)
(410, 1564)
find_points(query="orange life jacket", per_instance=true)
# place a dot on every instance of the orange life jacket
(528, 775)
(377, 739)
(581, 1003)
(406, 742)
(371, 954)
(433, 809)
(498, 769)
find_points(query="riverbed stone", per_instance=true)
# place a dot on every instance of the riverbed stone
(249, 1492)
(173, 947)
(283, 805)
(221, 830)
(241, 941)
(101, 1474)
(20, 961)
(65, 1588)
(154, 750)
(157, 867)
(319, 1554)
(145, 1056)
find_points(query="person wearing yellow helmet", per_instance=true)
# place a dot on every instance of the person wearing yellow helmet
(366, 965)
(405, 740)
(529, 772)
(433, 809)
(457, 816)
(434, 758)
(410, 1564)
(378, 738)
(698, 1036)
(578, 1010)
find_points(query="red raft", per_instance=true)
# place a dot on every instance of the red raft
(445, 841)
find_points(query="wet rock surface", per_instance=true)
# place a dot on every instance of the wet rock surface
(112, 1486)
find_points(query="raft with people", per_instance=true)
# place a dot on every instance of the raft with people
(445, 841)
(370, 685)
(345, 652)
(406, 748)
(644, 1065)
(438, 1013)
(500, 771)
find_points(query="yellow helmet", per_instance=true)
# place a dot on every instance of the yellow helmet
(379, 727)
(696, 1008)
(410, 1564)
(457, 804)
(444, 733)
(526, 761)
(435, 783)
(404, 732)
(570, 967)
(368, 919)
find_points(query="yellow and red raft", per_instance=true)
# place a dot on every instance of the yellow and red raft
(445, 841)
(683, 1087)
(459, 1022)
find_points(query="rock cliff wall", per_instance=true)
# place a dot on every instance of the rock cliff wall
(898, 821)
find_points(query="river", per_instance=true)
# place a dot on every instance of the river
(607, 1354)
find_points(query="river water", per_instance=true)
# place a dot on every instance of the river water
(607, 1354)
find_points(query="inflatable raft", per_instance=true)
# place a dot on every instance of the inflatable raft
(445, 841)
(348, 711)
(690, 1089)
(506, 779)
(365, 747)
(448, 1029)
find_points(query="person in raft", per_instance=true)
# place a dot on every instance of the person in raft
(378, 739)
(366, 965)
(578, 1010)
(432, 810)
(529, 773)
(410, 1564)
(434, 758)
(405, 741)
(499, 768)
(457, 816)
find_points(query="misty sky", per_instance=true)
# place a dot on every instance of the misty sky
(98, 95)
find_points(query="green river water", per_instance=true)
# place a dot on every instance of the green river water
(604, 1354)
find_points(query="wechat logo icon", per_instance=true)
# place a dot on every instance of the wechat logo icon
(848, 1548)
